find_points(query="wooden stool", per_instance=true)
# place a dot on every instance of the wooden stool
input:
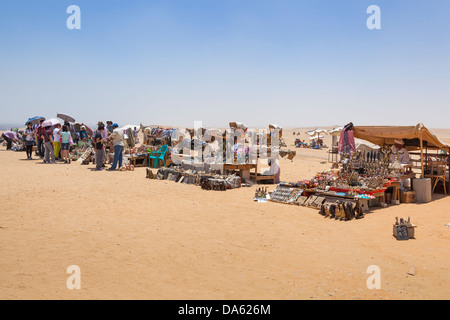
(140, 161)
(440, 168)
(395, 190)
(380, 196)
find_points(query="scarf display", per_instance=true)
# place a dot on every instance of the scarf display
(347, 140)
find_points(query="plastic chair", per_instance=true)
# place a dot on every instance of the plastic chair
(159, 155)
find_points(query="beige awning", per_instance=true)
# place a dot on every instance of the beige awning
(411, 135)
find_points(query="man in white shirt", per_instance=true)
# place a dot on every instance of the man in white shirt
(117, 138)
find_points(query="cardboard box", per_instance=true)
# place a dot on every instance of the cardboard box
(408, 196)
(411, 231)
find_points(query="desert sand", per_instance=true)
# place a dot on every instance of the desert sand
(135, 238)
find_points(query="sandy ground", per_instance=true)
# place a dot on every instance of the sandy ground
(135, 238)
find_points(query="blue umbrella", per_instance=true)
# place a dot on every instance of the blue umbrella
(34, 120)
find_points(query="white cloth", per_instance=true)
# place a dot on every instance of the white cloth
(117, 137)
(56, 135)
(274, 170)
(402, 154)
(30, 134)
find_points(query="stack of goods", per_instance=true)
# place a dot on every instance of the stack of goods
(261, 193)
(341, 209)
(288, 193)
(403, 230)
(340, 206)
(87, 156)
(365, 176)
(206, 181)
(220, 183)
(159, 137)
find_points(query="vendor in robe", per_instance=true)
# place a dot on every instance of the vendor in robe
(274, 170)
(399, 152)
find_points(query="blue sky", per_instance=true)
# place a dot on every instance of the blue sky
(291, 62)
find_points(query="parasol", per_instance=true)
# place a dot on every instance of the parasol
(34, 120)
(51, 122)
(336, 131)
(130, 126)
(316, 132)
(89, 130)
(65, 117)
(78, 126)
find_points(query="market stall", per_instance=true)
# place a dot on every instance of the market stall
(376, 171)
(430, 157)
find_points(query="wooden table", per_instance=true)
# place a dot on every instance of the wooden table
(245, 171)
(139, 161)
(381, 197)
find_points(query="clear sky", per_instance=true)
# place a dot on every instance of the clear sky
(290, 62)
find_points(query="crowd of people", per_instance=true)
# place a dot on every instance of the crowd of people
(54, 142)
(314, 144)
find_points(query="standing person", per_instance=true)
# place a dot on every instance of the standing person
(65, 143)
(98, 144)
(10, 136)
(117, 137)
(29, 140)
(49, 147)
(105, 133)
(104, 137)
(76, 135)
(109, 126)
(57, 140)
(40, 139)
(70, 129)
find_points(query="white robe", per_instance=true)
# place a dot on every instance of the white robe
(402, 154)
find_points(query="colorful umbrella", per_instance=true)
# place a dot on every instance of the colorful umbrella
(34, 120)
(51, 122)
(65, 117)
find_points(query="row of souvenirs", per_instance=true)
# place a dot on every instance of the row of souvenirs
(158, 136)
(330, 206)
(206, 181)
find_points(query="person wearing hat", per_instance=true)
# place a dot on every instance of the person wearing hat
(400, 153)
(117, 138)
(109, 126)
(83, 134)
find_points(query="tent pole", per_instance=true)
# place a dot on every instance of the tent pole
(448, 158)
(421, 156)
